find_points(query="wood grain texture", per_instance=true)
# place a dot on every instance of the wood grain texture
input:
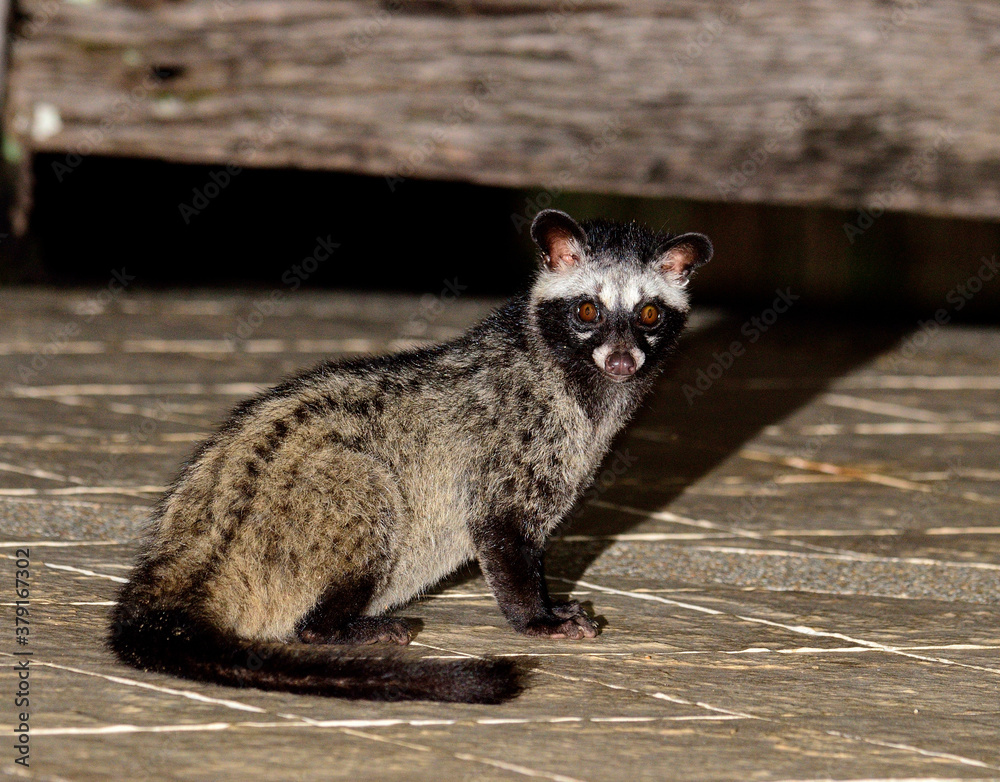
(854, 103)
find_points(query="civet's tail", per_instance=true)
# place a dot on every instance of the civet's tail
(171, 641)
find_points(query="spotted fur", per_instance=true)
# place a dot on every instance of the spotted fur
(340, 495)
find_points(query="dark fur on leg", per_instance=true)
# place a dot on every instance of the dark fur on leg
(514, 569)
(362, 630)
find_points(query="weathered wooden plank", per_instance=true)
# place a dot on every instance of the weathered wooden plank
(854, 103)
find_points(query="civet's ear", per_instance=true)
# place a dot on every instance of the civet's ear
(683, 254)
(560, 238)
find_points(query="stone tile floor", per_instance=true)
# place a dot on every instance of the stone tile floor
(796, 551)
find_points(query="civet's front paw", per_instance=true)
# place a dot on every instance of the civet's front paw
(575, 628)
(568, 610)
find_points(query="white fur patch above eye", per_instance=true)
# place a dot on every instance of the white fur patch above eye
(631, 295)
(569, 284)
(672, 294)
(617, 288)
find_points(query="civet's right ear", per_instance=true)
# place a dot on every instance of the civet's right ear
(560, 238)
(683, 254)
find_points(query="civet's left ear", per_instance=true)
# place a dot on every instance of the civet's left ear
(683, 254)
(560, 238)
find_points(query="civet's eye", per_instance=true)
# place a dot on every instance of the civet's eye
(649, 315)
(587, 312)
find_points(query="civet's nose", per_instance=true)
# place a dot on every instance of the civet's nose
(620, 363)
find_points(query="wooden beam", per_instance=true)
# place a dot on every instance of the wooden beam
(847, 103)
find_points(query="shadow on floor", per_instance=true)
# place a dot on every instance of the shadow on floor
(693, 422)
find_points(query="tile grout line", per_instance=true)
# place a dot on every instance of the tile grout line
(72, 569)
(881, 408)
(770, 537)
(731, 529)
(566, 677)
(848, 557)
(910, 748)
(238, 388)
(189, 694)
(138, 492)
(122, 408)
(798, 629)
(826, 468)
(82, 571)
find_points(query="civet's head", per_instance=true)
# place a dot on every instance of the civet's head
(610, 298)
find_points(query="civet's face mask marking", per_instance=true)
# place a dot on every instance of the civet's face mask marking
(614, 295)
